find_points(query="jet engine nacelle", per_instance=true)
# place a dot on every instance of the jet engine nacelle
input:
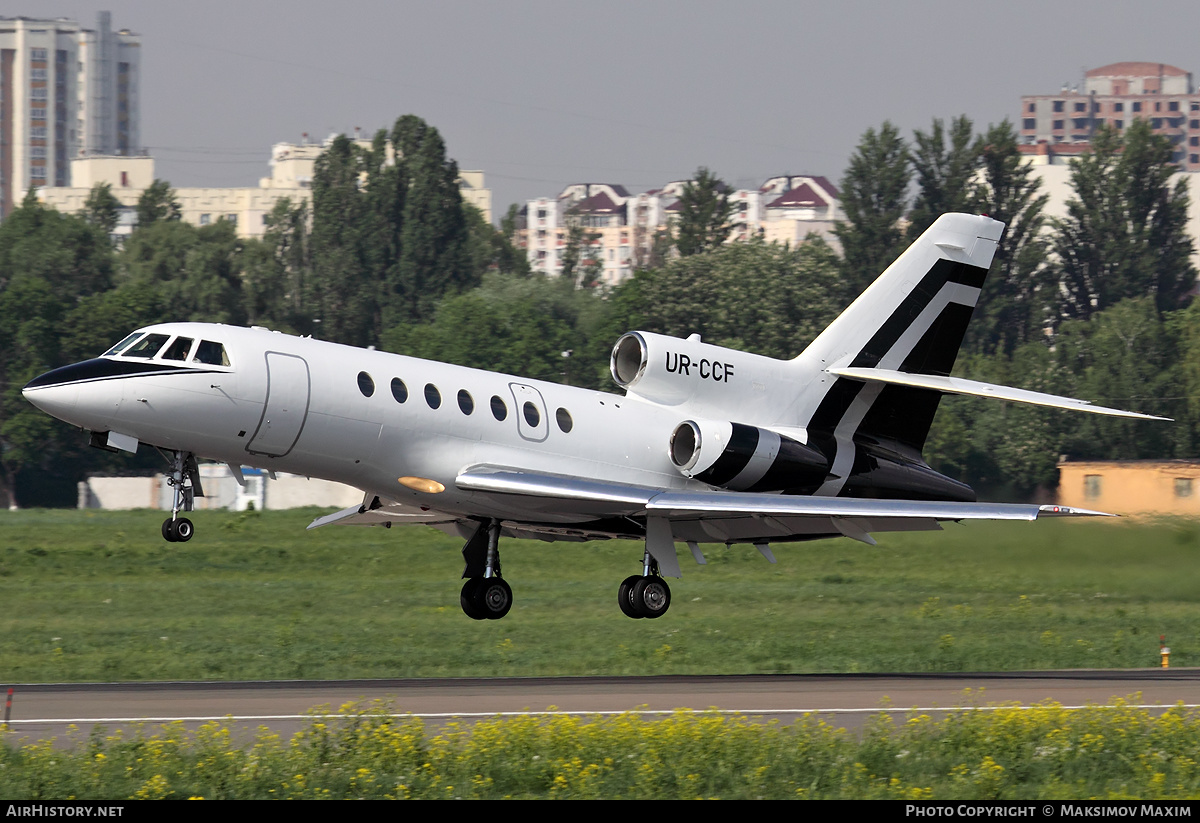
(671, 371)
(745, 458)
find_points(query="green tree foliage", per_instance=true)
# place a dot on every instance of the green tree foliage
(50, 264)
(491, 250)
(755, 296)
(874, 197)
(1012, 307)
(944, 165)
(195, 271)
(344, 289)
(433, 257)
(704, 212)
(518, 325)
(579, 260)
(158, 203)
(102, 208)
(1125, 232)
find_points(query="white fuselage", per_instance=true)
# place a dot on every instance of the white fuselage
(295, 404)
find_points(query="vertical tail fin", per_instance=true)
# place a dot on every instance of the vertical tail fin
(912, 319)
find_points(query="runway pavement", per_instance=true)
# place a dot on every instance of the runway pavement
(41, 711)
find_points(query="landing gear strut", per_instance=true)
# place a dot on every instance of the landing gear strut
(644, 595)
(485, 595)
(185, 482)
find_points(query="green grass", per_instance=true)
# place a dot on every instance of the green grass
(99, 596)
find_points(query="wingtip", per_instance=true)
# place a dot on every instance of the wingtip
(1051, 510)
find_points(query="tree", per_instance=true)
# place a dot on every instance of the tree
(1012, 306)
(102, 208)
(343, 295)
(579, 263)
(704, 211)
(1125, 231)
(944, 174)
(874, 195)
(754, 296)
(433, 234)
(158, 203)
(50, 263)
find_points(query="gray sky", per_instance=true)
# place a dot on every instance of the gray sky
(541, 94)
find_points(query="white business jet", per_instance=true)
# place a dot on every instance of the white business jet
(706, 445)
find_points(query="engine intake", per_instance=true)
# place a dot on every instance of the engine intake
(739, 457)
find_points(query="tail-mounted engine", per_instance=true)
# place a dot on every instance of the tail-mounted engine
(671, 371)
(745, 458)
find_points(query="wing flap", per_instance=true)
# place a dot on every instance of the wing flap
(975, 388)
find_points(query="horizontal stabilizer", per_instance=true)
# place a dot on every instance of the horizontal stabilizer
(958, 385)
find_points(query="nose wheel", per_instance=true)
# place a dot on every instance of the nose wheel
(184, 480)
(179, 530)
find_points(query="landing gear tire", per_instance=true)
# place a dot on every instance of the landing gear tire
(466, 599)
(651, 596)
(178, 531)
(493, 598)
(625, 596)
(183, 530)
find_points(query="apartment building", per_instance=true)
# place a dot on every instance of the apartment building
(622, 229)
(1115, 95)
(291, 174)
(65, 91)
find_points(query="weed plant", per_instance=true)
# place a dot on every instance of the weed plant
(1048, 752)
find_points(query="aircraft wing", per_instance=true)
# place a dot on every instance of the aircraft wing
(975, 388)
(630, 499)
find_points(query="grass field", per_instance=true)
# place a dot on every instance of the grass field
(99, 596)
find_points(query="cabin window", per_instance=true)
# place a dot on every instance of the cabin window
(399, 390)
(148, 346)
(178, 350)
(1183, 487)
(465, 401)
(213, 354)
(532, 415)
(499, 410)
(123, 344)
(432, 396)
(365, 384)
(564, 420)
(1091, 486)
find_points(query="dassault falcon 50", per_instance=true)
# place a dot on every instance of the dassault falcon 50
(707, 444)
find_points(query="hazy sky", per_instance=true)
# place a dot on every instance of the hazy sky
(543, 94)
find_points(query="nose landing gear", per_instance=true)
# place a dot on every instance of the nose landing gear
(185, 481)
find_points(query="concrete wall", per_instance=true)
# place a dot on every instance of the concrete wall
(222, 491)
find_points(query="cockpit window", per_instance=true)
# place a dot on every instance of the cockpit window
(178, 350)
(148, 346)
(210, 353)
(122, 344)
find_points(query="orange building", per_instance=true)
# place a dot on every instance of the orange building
(1132, 487)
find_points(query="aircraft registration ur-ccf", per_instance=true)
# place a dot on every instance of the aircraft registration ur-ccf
(707, 444)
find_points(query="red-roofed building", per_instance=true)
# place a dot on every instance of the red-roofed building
(1115, 95)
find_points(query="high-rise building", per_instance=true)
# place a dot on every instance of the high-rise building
(65, 91)
(1115, 95)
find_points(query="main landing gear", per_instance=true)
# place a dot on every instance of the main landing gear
(644, 595)
(485, 595)
(185, 481)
